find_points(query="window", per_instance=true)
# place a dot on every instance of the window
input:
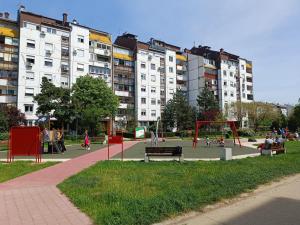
(153, 89)
(49, 47)
(80, 52)
(231, 94)
(171, 58)
(30, 44)
(29, 91)
(99, 70)
(80, 67)
(143, 100)
(225, 83)
(153, 113)
(171, 69)
(28, 108)
(225, 93)
(29, 76)
(243, 67)
(143, 89)
(171, 80)
(153, 66)
(231, 74)
(153, 78)
(30, 60)
(153, 101)
(49, 62)
(224, 73)
(80, 39)
(51, 30)
(231, 84)
(64, 81)
(158, 102)
(171, 91)
(143, 76)
(143, 112)
(143, 65)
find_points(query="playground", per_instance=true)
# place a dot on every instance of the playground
(201, 152)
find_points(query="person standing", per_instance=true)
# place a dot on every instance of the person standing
(86, 141)
(61, 140)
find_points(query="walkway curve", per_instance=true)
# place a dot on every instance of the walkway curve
(34, 199)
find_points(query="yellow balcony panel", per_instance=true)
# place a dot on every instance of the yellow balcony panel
(123, 56)
(181, 57)
(8, 32)
(100, 37)
(210, 66)
(248, 65)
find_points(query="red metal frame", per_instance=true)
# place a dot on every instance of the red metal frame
(231, 124)
(24, 141)
(115, 140)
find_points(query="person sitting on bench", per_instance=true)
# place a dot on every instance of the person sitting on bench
(268, 142)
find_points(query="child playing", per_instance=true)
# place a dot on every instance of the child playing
(87, 141)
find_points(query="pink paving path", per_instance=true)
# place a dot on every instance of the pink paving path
(34, 198)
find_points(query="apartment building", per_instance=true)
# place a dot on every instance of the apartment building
(9, 48)
(61, 51)
(181, 73)
(155, 75)
(228, 76)
(124, 84)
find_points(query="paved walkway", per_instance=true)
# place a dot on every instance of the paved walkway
(34, 199)
(276, 204)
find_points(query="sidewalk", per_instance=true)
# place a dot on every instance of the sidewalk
(34, 199)
(276, 204)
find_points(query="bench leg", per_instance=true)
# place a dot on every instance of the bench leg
(146, 158)
(181, 158)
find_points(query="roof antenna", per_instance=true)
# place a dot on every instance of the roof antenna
(194, 44)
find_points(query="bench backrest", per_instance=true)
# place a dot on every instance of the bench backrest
(164, 150)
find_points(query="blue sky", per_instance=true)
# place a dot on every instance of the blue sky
(264, 31)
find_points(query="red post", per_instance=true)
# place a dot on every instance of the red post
(122, 152)
(108, 149)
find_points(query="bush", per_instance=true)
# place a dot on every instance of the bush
(4, 136)
(246, 132)
(251, 140)
(128, 135)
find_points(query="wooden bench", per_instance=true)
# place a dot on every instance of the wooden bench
(163, 151)
(275, 148)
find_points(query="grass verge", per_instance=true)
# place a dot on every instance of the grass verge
(12, 170)
(143, 193)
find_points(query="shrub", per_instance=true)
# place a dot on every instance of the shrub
(251, 140)
(4, 136)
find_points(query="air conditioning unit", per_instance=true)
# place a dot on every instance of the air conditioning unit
(29, 64)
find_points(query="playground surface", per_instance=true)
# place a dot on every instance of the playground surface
(72, 152)
(200, 152)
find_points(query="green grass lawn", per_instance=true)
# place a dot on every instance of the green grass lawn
(115, 192)
(12, 170)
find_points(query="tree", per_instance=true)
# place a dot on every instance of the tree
(93, 101)
(10, 116)
(178, 113)
(259, 113)
(47, 98)
(294, 119)
(55, 100)
(208, 105)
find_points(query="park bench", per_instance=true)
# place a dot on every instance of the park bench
(276, 148)
(163, 151)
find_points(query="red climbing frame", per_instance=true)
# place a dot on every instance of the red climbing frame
(231, 124)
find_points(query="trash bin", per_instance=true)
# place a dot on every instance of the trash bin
(226, 154)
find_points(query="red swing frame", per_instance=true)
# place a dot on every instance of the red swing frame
(231, 124)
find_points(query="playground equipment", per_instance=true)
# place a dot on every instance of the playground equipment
(219, 141)
(24, 141)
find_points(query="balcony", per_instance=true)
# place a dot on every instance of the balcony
(123, 106)
(181, 77)
(99, 51)
(122, 93)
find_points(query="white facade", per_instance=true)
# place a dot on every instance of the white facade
(147, 86)
(39, 56)
(79, 55)
(170, 74)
